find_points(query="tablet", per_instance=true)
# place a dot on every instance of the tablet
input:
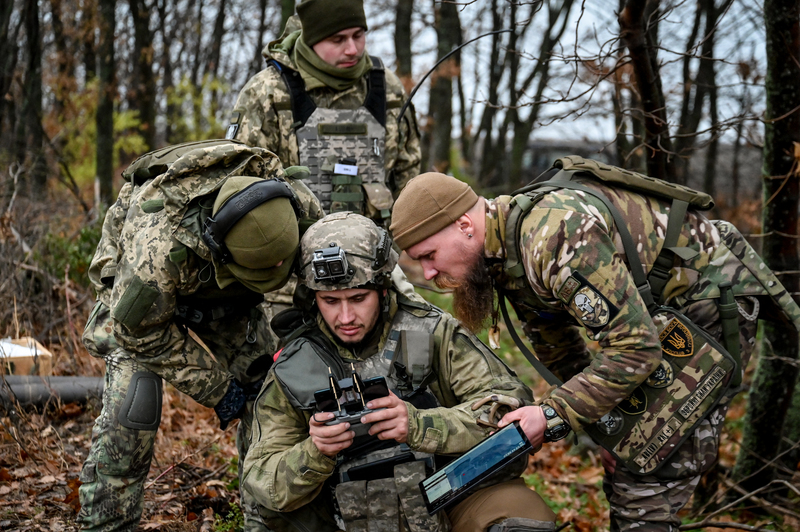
(455, 481)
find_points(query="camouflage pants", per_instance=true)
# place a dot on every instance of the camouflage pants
(114, 473)
(652, 502)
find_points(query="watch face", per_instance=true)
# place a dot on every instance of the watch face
(556, 433)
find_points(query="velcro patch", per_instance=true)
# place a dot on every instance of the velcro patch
(676, 340)
(591, 307)
(568, 289)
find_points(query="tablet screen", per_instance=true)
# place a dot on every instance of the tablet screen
(452, 483)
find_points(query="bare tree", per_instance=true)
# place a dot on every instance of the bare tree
(9, 36)
(106, 95)
(402, 42)
(774, 381)
(636, 22)
(30, 135)
(142, 90)
(438, 135)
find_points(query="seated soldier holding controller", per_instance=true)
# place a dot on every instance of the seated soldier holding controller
(310, 470)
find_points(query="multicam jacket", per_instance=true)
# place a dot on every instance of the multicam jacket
(284, 470)
(264, 116)
(151, 258)
(575, 264)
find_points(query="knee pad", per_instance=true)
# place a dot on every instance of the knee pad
(520, 524)
(141, 409)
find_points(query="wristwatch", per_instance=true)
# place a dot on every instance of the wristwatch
(557, 428)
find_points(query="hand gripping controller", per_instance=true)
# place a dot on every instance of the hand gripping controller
(348, 398)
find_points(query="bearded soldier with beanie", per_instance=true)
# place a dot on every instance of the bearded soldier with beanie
(446, 390)
(198, 234)
(570, 254)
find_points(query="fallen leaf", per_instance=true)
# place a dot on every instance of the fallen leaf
(71, 410)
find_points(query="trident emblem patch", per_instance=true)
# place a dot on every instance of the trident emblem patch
(676, 340)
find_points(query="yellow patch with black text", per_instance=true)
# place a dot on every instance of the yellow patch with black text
(676, 340)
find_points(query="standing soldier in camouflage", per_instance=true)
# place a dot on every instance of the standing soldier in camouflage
(444, 386)
(196, 237)
(562, 264)
(324, 103)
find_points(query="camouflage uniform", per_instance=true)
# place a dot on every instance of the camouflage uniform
(284, 471)
(263, 117)
(151, 243)
(569, 234)
(447, 373)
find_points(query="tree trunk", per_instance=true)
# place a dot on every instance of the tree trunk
(402, 42)
(142, 93)
(448, 33)
(30, 135)
(8, 62)
(64, 83)
(713, 145)
(258, 60)
(214, 54)
(88, 47)
(541, 74)
(105, 104)
(486, 126)
(167, 81)
(774, 381)
(197, 58)
(638, 38)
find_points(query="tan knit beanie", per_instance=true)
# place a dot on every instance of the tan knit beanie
(429, 203)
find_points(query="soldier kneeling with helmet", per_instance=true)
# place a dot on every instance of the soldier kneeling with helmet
(327, 467)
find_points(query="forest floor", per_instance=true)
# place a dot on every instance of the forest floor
(192, 484)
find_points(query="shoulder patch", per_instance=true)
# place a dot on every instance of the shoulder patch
(568, 289)
(591, 307)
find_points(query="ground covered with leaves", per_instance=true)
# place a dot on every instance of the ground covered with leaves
(192, 484)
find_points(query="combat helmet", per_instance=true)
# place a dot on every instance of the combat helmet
(346, 250)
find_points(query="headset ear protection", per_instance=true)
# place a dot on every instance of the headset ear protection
(215, 229)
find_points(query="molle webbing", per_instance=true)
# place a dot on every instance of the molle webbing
(614, 176)
(303, 106)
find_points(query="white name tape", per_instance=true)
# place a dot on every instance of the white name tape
(345, 169)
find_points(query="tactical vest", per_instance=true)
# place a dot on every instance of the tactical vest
(696, 372)
(406, 362)
(344, 149)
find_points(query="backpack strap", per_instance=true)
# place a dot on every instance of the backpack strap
(659, 273)
(634, 265)
(546, 374)
(302, 104)
(375, 102)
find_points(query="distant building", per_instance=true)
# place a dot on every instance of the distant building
(540, 155)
